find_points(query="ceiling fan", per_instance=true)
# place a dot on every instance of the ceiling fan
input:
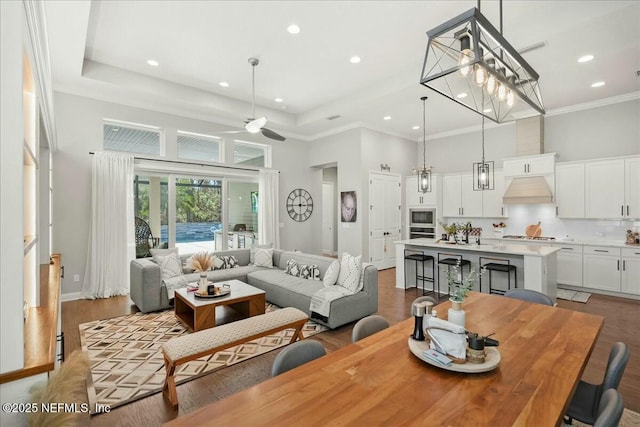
(253, 124)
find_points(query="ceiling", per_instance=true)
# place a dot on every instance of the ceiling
(99, 49)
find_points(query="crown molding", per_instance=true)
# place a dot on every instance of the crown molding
(594, 104)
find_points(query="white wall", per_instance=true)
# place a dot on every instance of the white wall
(79, 123)
(239, 198)
(330, 174)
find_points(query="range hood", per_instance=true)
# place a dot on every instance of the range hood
(525, 189)
(529, 189)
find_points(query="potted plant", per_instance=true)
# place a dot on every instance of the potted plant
(201, 262)
(458, 289)
(450, 229)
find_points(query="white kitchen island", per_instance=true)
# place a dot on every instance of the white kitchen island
(536, 265)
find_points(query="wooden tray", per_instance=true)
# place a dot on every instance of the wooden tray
(492, 359)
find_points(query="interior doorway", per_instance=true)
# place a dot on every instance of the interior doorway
(329, 211)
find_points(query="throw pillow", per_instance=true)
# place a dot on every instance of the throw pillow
(350, 269)
(168, 261)
(310, 272)
(292, 268)
(331, 275)
(262, 256)
(228, 261)
(217, 263)
(252, 253)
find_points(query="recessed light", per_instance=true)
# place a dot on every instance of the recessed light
(355, 60)
(461, 95)
(224, 84)
(486, 110)
(115, 130)
(415, 127)
(283, 107)
(293, 29)
(278, 99)
(585, 58)
(386, 118)
(153, 62)
(598, 84)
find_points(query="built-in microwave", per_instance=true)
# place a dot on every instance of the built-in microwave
(420, 217)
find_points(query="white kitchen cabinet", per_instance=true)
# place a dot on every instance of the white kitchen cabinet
(569, 264)
(492, 204)
(458, 197)
(604, 185)
(542, 164)
(632, 188)
(417, 198)
(570, 190)
(602, 268)
(630, 280)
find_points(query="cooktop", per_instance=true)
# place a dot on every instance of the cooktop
(529, 238)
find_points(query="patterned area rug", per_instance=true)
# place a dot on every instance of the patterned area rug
(573, 295)
(126, 358)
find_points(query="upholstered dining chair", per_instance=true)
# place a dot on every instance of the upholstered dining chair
(610, 409)
(296, 354)
(529, 295)
(422, 299)
(368, 326)
(586, 400)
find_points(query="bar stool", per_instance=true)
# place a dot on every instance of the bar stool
(504, 266)
(452, 260)
(420, 257)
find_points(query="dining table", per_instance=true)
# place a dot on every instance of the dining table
(379, 381)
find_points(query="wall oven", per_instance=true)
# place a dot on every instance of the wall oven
(422, 223)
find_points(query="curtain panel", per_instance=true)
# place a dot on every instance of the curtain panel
(111, 234)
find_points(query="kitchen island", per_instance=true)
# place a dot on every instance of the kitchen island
(536, 265)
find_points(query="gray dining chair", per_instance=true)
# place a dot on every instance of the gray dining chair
(586, 400)
(422, 299)
(368, 326)
(296, 354)
(529, 295)
(610, 409)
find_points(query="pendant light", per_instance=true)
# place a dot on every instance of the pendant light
(483, 172)
(424, 174)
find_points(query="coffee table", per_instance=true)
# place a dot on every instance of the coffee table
(198, 313)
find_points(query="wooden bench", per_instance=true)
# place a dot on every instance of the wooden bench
(190, 347)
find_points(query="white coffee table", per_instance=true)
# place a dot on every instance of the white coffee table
(199, 313)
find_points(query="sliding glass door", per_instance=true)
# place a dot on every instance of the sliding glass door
(243, 214)
(151, 211)
(198, 217)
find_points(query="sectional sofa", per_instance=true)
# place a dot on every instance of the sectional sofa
(149, 293)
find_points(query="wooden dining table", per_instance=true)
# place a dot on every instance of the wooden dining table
(378, 381)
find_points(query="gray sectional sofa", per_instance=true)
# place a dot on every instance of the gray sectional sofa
(148, 291)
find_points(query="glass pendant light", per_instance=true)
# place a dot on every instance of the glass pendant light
(424, 174)
(492, 82)
(465, 54)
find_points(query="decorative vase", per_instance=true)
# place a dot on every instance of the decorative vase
(456, 313)
(203, 283)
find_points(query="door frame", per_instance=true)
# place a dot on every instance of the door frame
(370, 243)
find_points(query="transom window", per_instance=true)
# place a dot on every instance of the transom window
(131, 138)
(194, 146)
(251, 154)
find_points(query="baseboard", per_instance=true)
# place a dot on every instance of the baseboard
(71, 296)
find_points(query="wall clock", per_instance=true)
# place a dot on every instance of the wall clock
(299, 205)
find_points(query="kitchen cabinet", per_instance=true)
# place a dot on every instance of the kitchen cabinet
(492, 204)
(569, 264)
(570, 190)
(612, 188)
(417, 198)
(542, 164)
(458, 197)
(602, 268)
(630, 280)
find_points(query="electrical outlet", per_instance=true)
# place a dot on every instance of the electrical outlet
(76, 277)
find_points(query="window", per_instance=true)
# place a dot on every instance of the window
(195, 146)
(251, 154)
(132, 138)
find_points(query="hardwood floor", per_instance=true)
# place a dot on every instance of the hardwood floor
(622, 317)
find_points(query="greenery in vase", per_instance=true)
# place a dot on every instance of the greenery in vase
(458, 289)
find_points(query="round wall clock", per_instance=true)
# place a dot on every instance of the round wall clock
(299, 205)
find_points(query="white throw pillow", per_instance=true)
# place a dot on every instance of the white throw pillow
(331, 275)
(169, 262)
(350, 268)
(262, 256)
(217, 263)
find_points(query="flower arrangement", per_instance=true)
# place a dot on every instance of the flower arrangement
(200, 262)
(458, 286)
(499, 225)
(449, 229)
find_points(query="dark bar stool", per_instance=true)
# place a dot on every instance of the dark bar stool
(502, 265)
(452, 260)
(419, 257)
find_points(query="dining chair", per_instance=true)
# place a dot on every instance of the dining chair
(586, 400)
(529, 295)
(422, 299)
(296, 354)
(610, 409)
(368, 326)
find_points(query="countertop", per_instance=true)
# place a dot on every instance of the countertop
(609, 243)
(496, 248)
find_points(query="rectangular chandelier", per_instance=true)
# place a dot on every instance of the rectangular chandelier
(469, 62)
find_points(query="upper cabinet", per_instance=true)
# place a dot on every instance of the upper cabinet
(542, 164)
(458, 197)
(612, 188)
(570, 192)
(418, 198)
(492, 205)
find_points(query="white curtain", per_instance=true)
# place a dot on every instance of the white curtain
(268, 208)
(111, 233)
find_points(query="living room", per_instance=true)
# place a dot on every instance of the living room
(97, 90)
